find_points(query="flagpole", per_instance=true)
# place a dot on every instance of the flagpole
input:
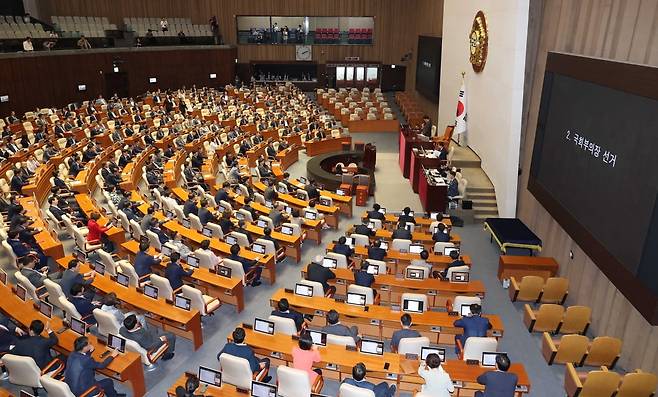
(459, 136)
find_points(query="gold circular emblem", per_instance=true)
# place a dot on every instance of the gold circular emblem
(479, 42)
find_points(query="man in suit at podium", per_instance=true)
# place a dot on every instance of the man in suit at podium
(427, 126)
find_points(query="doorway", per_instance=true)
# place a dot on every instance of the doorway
(116, 83)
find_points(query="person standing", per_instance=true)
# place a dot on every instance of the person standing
(164, 24)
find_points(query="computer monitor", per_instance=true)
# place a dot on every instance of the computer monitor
(182, 302)
(170, 214)
(192, 261)
(116, 342)
(412, 306)
(330, 263)
(426, 350)
(340, 192)
(261, 223)
(258, 248)
(21, 292)
(310, 215)
(79, 255)
(224, 271)
(166, 250)
(448, 250)
(23, 393)
(356, 299)
(373, 269)
(416, 248)
(78, 326)
(3, 277)
(288, 209)
(281, 189)
(264, 326)
(369, 346)
(239, 215)
(210, 377)
(303, 290)
(371, 225)
(186, 223)
(459, 277)
(230, 240)
(415, 274)
(465, 310)
(489, 358)
(99, 268)
(434, 214)
(382, 211)
(383, 245)
(287, 230)
(151, 291)
(302, 180)
(269, 204)
(349, 241)
(123, 279)
(260, 389)
(206, 231)
(319, 338)
(46, 309)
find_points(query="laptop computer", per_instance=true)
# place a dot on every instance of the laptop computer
(258, 248)
(459, 277)
(425, 351)
(349, 241)
(206, 231)
(46, 309)
(416, 248)
(210, 377)
(116, 342)
(260, 389)
(340, 192)
(123, 279)
(151, 291)
(330, 263)
(230, 240)
(465, 310)
(21, 292)
(356, 299)
(302, 180)
(182, 302)
(3, 277)
(319, 338)
(99, 268)
(383, 245)
(369, 346)
(310, 215)
(448, 250)
(412, 306)
(166, 250)
(303, 290)
(186, 223)
(192, 261)
(224, 271)
(261, 223)
(264, 326)
(489, 358)
(373, 269)
(78, 326)
(287, 230)
(382, 210)
(414, 274)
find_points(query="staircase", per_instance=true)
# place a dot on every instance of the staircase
(479, 189)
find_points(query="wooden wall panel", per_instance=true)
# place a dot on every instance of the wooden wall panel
(618, 30)
(397, 24)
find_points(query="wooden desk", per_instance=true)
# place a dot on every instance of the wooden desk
(227, 290)
(181, 322)
(519, 266)
(422, 224)
(433, 197)
(418, 160)
(337, 363)
(390, 287)
(327, 145)
(288, 157)
(381, 321)
(373, 125)
(344, 203)
(132, 172)
(210, 391)
(47, 240)
(407, 141)
(126, 367)
(87, 205)
(416, 237)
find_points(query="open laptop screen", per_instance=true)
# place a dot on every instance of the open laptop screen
(151, 291)
(303, 290)
(182, 302)
(356, 299)
(425, 351)
(415, 274)
(412, 305)
(372, 347)
(319, 338)
(116, 342)
(416, 248)
(264, 326)
(330, 263)
(489, 358)
(259, 389)
(78, 326)
(210, 376)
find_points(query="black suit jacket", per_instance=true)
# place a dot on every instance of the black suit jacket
(401, 234)
(364, 230)
(36, 347)
(320, 274)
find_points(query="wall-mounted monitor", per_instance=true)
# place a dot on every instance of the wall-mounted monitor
(82, 87)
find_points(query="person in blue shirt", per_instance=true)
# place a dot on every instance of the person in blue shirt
(473, 325)
(342, 248)
(246, 264)
(80, 369)
(283, 310)
(222, 194)
(358, 379)
(405, 332)
(238, 348)
(174, 272)
(498, 383)
(376, 252)
(145, 262)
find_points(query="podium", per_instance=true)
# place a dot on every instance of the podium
(407, 141)
(418, 161)
(433, 197)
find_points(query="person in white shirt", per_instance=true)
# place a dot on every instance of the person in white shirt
(437, 380)
(205, 249)
(164, 24)
(27, 45)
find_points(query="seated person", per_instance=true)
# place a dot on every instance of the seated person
(363, 228)
(205, 249)
(177, 242)
(305, 355)
(405, 332)
(241, 229)
(222, 194)
(375, 214)
(156, 227)
(341, 248)
(453, 184)
(406, 217)
(112, 305)
(363, 278)
(283, 310)
(334, 327)
(267, 235)
(174, 272)
(456, 262)
(9, 334)
(72, 276)
(22, 249)
(80, 369)
(424, 256)
(35, 277)
(144, 262)
(97, 232)
(246, 264)
(148, 338)
(358, 379)
(35, 345)
(441, 236)
(376, 252)
(83, 304)
(401, 232)
(318, 273)
(473, 324)
(238, 348)
(498, 382)
(437, 380)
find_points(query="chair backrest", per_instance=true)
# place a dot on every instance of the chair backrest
(29, 287)
(217, 231)
(107, 323)
(293, 382)
(638, 384)
(439, 246)
(136, 229)
(22, 370)
(129, 270)
(235, 371)
(246, 215)
(423, 269)
(206, 260)
(318, 289)
(54, 292)
(108, 261)
(367, 291)
(196, 298)
(163, 286)
(604, 350)
(360, 240)
(555, 290)
(56, 388)
(600, 384)
(340, 340)
(283, 325)
(413, 345)
(465, 300)
(69, 309)
(548, 317)
(340, 258)
(270, 249)
(296, 229)
(572, 349)
(195, 222)
(236, 269)
(243, 240)
(400, 244)
(475, 346)
(270, 222)
(154, 240)
(415, 297)
(382, 267)
(347, 390)
(461, 269)
(133, 346)
(530, 288)
(576, 319)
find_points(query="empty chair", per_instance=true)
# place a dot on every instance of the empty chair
(69, 309)
(164, 288)
(555, 290)
(340, 340)
(246, 215)
(407, 296)
(205, 304)
(57, 388)
(381, 265)
(528, 290)
(217, 231)
(400, 245)
(23, 371)
(593, 384)
(236, 371)
(413, 345)
(360, 240)
(568, 349)
(603, 351)
(547, 319)
(283, 325)
(637, 384)
(106, 322)
(54, 292)
(133, 279)
(475, 346)
(135, 230)
(367, 291)
(195, 222)
(32, 292)
(347, 390)
(576, 320)
(295, 382)
(243, 240)
(84, 245)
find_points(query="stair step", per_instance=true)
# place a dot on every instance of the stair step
(486, 210)
(480, 189)
(481, 195)
(477, 202)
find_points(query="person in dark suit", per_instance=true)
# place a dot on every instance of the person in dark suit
(9, 333)
(473, 325)
(80, 369)
(363, 229)
(83, 304)
(375, 214)
(17, 183)
(222, 194)
(145, 262)
(405, 332)
(190, 205)
(148, 338)
(246, 264)
(401, 232)
(35, 345)
(453, 184)
(334, 327)
(241, 229)
(498, 383)
(358, 379)
(342, 248)
(72, 276)
(443, 152)
(267, 235)
(406, 217)
(247, 207)
(238, 348)
(427, 126)
(205, 215)
(376, 252)
(441, 236)
(318, 273)
(456, 262)
(35, 277)
(174, 272)
(283, 310)
(363, 278)
(312, 190)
